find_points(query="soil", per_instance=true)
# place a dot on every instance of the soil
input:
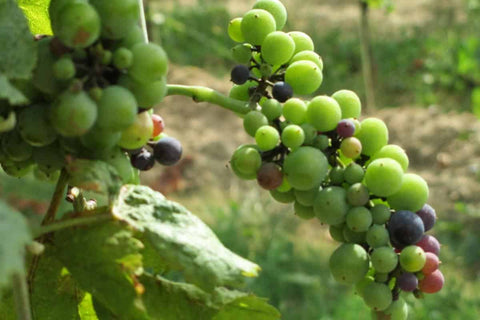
(443, 148)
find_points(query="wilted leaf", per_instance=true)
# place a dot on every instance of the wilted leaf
(181, 239)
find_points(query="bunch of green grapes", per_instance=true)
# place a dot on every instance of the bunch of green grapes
(92, 95)
(332, 166)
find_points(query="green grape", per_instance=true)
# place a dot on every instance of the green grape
(383, 177)
(336, 232)
(147, 95)
(302, 41)
(285, 186)
(349, 103)
(15, 147)
(310, 133)
(8, 123)
(295, 110)
(118, 16)
(76, 24)
(304, 77)
(412, 258)
(267, 138)
(373, 135)
(380, 213)
(134, 36)
(272, 109)
(359, 219)
(306, 197)
(43, 175)
(137, 135)
(323, 113)
(377, 296)
(381, 277)
(413, 194)
(303, 212)
(283, 197)
(351, 147)
(247, 160)
(242, 53)
(354, 173)
(64, 68)
(117, 109)
(331, 205)
(358, 195)
(351, 236)
(384, 259)
(362, 284)
(240, 92)
(277, 48)
(337, 175)
(18, 169)
(43, 78)
(276, 9)
(150, 63)
(49, 158)
(377, 236)
(256, 25)
(235, 31)
(100, 139)
(305, 168)
(398, 310)
(34, 125)
(106, 57)
(310, 56)
(394, 152)
(253, 121)
(349, 264)
(122, 58)
(73, 114)
(321, 142)
(293, 136)
(121, 162)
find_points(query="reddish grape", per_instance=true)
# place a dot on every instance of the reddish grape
(429, 244)
(269, 176)
(432, 282)
(345, 128)
(431, 264)
(158, 125)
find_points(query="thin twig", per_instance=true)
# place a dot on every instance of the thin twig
(143, 21)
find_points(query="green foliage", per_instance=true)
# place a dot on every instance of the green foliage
(182, 241)
(10, 93)
(12, 247)
(36, 12)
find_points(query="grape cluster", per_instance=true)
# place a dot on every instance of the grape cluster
(91, 95)
(332, 166)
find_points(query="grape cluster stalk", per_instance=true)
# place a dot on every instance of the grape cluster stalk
(91, 96)
(319, 154)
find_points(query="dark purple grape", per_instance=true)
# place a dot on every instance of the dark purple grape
(143, 160)
(167, 151)
(345, 128)
(429, 244)
(240, 74)
(405, 228)
(428, 216)
(407, 281)
(269, 176)
(282, 91)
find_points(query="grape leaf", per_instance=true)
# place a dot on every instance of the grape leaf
(104, 260)
(12, 247)
(167, 300)
(36, 12)
(55, 294)
(181, 239)
(18, 56)
(85, 308)
(10, 93)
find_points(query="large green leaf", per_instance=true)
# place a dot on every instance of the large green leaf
(55, 294)
(181, 239)
(18, 55)
(167, 300)
(105, 260)
(15, 236)
(10, 93)
(36, 12)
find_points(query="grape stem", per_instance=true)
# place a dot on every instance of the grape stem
(143, 21)
(204, 94)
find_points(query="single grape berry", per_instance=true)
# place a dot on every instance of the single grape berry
(428, 216)
(407, 281)
(269, 176)
(143, 160)
(405, 227)
(282, 91)
(345, 128)
(158, 125)
(167, 151)
(429, 244)
(240, 74)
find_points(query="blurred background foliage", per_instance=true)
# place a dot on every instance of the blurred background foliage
(432, 61)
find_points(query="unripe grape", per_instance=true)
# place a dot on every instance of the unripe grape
(412, 195)
(349, 103)
(351, 147)
(234, 30)
(267, 138)
(331, 205)
(377, 296)
(302, 41)
(394, 152)
(373, 135)
(308, 55)
(256, 25)
(276, 9)
(293, 136)
(349, 264)
(64, 69)
(242, 53)
(303, 212)
(412, 258)
(283, 197)
(277, 48)
(323, 113)
(117, 109)
(272, 109)
(122, 58)
(150, 63)
(118, 16)
(384, 177)
(254, 120)
(304, 76)
(295, 110)
(137, 134)
(384, 259)
(305, 168)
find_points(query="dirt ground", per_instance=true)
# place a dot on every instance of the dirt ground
(443, 148)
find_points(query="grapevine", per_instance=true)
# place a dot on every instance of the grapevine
(84, 118)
